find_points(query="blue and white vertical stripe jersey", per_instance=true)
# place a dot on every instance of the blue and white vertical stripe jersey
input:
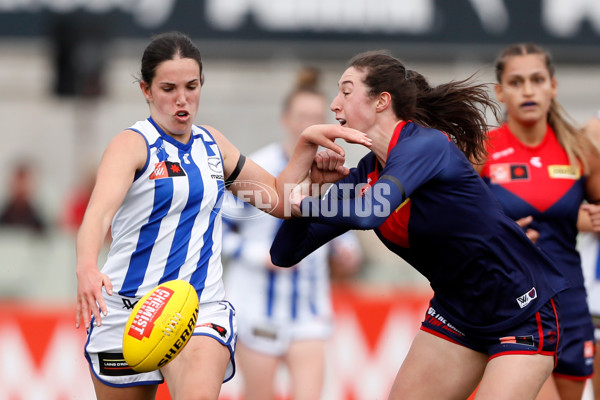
(279, 295)
(169, 225)
(589, 248)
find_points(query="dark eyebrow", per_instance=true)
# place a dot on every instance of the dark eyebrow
(534, 73)
(196, 80)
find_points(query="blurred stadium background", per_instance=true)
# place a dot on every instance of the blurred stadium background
(68, 71)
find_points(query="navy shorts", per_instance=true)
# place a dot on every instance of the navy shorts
(576, 359)
(537, 335)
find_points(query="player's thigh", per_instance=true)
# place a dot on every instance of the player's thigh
(141, 392)
(548, 390)
(436, 368)
(569, 388)
(258, 371)
(596, 376)
(198, 371)
(306, 364)
(515, 376)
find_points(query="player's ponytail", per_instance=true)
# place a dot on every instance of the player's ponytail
(457, 108)
(308, 78)
(307, 81)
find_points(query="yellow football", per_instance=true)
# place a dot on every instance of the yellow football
(160, 325)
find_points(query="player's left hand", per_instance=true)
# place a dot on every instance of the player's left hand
(325, 135)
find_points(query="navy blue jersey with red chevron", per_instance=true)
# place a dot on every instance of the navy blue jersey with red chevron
(539, 181)
(442, 219)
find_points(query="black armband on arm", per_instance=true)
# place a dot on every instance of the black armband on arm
(238, 168)
(396, 182)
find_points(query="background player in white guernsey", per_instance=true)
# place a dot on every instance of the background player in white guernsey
(159, 187)
(284, 315)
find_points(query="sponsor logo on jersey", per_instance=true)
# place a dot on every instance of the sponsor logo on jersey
(214, 163)
(519, 172)
(371, 179)
(167, 169)
(525, 299)
(536, 162)
(564, 172)
(128, 304)
(499, 173)
(503, 153)
(505, 173)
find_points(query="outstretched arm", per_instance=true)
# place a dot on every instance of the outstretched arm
(261, 189)
(351, 206)
(298, 237)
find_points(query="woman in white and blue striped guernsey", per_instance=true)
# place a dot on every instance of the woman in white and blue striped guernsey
(159, 188)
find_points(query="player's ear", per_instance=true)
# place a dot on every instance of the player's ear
(145, 87)
(384, 100)
(554, 86)
(499, 92)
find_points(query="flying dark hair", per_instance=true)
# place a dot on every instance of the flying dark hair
(166, 46)
(457, 108)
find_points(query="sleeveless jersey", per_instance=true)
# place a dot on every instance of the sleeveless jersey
(539, 181)
(429, 206)
(280, 295)
(169, 225)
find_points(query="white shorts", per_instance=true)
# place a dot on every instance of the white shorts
(588, 244)
(274, 339)
(104, 346)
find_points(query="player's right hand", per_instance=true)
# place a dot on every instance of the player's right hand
(90, 301)
(328, 167)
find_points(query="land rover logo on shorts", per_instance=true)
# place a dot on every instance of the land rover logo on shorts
(525, 299)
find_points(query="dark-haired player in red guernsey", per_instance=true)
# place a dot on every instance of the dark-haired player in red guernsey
(529, 170)
(492, 320)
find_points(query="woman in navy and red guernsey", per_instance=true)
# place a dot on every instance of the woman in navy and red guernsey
(492, 320)
(541, 168)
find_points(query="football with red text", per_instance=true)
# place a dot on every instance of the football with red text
(160, 325)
